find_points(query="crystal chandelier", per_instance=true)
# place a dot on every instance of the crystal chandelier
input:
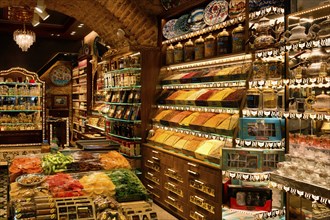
(24, 38)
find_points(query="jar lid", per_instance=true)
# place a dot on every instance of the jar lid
(210, 37)
(268, 90)
(223, 33)
(253, 90)
(170, 47)
(240, 28)
(199, 40)
(189, 43)
(179, 45)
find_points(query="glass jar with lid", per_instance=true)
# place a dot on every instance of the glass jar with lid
(170, 54)
(253, 98)
(274, 69)
(223, 42)
(238, 39)
(269, 99)
(189, 50)
(209, 46)
(178, 53)
(199, 48)
(259, 69)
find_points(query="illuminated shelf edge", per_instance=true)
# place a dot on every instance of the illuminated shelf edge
(259, 144)
(309, 10)
(212, 61)
(200, 108)
(126, 138)
(257, 214)
(215, 84)
(309, 191)
(99, 128)
(195, 132)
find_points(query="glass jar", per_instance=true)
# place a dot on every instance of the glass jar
(189, 50)
(274, 69)
(209, 46)
(253, 98)
(269, 99)
(223, 42)
(170, 54)
(178, 53)
(259, 69)
(238, 39)
(199, 48)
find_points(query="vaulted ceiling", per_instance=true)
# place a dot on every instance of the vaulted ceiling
(137, 18)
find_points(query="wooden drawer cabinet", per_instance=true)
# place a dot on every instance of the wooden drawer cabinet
(176, 204)
(154, 190)
(188, 188)
(153, 177)
(202, 188)
(152, 165)
(176, 188)
(197, 213)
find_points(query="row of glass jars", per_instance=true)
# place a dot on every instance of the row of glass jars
(267, 69)
(266, 99)
(211, 46)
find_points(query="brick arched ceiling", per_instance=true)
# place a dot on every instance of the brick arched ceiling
(136, 17)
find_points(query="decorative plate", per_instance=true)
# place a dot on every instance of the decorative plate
(168, 29)
(236, 8)
(215, 12)
(195, 20)
(60, 75)
(30, 179)
(167, 4)
(181, 25)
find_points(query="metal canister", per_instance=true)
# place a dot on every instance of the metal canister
(178, 53)
(189, 50)
(238, 39)
(199, 48)
(223, 42)
(170, 54)
(209, 46)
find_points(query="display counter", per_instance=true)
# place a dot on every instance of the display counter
(76, 185)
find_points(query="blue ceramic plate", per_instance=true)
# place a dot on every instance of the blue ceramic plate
(195, 20)
(181, 25)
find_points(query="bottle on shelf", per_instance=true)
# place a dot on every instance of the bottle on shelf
(189, 50)
(253, 98)
(238, 39)
(209, 46)
(170, 55)
(199, 48)
(178, 53)
(223, 42)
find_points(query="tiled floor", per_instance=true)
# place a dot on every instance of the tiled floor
(162, 214)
